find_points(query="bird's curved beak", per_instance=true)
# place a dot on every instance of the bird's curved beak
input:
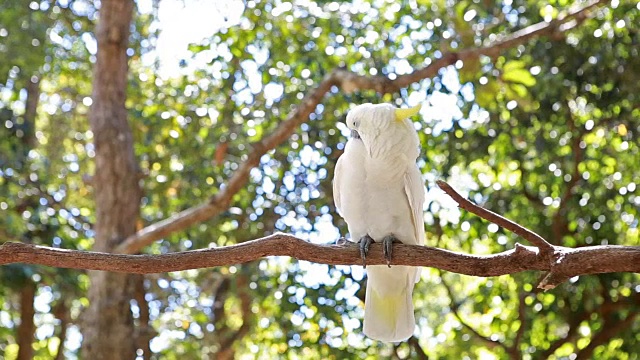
(354, 134)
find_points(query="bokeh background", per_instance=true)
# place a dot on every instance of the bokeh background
(544, 131)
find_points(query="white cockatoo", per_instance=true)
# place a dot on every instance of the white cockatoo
(378, 190)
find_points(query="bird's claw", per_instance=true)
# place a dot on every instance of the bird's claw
(387, 247)
(364, 243)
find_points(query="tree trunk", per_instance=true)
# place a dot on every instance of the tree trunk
(31, 110)
(108, 326)
(144, 330)
(27, 326)
(61, 312)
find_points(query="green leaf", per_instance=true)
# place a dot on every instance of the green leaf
(521, 76)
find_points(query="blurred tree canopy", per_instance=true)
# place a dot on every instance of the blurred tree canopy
(545, 132)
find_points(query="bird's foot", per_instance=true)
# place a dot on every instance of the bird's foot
(387, 247)
(364, 243)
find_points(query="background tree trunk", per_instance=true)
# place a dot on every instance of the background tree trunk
(27, 327)
(108, 332)
(61, 312)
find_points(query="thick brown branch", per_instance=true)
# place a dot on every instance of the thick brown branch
(546, 249)
(559, 269)
(570, 262)
(348, 82)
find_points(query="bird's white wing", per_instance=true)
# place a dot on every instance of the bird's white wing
(415, 193)
(414, 189)
(337, 172)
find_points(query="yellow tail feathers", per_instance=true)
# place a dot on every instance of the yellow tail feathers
(388, 315)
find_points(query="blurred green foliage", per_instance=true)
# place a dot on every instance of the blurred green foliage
(545, 134)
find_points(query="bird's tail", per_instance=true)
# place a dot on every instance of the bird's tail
(388, 313)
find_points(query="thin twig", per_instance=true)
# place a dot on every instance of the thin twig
(546, 249)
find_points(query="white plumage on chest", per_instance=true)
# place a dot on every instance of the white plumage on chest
(378, 190)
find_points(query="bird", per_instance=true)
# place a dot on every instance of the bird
(379, 191)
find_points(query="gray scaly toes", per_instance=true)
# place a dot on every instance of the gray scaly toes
(387, 247)
(365, 242)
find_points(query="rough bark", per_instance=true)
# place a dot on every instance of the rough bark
(108, 326)
(569, 262)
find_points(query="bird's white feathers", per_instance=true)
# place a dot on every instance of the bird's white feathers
(388, 306)
(379, 191)
(349, 174)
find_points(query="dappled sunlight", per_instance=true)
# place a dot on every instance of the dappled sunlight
(523, 112)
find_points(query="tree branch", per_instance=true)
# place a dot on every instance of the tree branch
(546, 249)
(562, 264)
(348, 82)
(573, 262)
(559, 269)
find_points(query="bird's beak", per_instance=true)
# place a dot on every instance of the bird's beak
(402, 114)
(354, 134)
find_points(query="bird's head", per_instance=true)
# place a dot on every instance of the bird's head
(372, 123)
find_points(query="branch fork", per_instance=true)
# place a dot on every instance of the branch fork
(561, 262)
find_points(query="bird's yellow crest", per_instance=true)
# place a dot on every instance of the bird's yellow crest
(402, 114)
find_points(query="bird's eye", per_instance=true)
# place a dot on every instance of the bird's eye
(356, 123)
